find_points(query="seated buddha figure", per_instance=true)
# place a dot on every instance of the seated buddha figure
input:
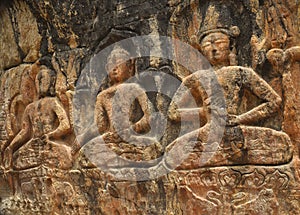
(40, 142)
(121, 118)
(242, 141)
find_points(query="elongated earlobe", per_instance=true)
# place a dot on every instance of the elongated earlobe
(232, 58)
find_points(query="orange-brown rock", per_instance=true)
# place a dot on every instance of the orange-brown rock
(97, 120)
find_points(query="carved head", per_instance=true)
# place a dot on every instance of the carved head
(218, 46)
(118, 66)
(45, 82)
(276, 58)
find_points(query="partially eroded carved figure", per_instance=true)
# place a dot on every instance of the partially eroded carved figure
(242, 142)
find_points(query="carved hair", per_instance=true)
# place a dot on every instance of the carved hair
(117, 53)
(232, 32)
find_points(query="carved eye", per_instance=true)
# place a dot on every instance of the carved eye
(218, 42)
(206, 44)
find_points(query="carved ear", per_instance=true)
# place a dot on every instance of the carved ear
(234, 32)
(232, 57)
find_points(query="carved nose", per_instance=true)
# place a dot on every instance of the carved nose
(115, 71)
(213, 48)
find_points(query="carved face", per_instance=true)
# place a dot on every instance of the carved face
(216, 47)
(120, 72)
(45, 83)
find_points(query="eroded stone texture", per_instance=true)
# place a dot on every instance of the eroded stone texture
(9, 49)
(80, 135)
(20, 41)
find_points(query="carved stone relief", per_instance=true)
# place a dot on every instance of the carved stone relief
(236, 120)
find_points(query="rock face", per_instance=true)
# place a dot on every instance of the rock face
(149, 107)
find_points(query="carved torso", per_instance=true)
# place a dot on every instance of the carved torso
(42, 116)
(117, 105)
(233, 89)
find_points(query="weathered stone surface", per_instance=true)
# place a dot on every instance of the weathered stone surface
(20, 40)
(9, 48)
(29, 38)
(83, 134)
